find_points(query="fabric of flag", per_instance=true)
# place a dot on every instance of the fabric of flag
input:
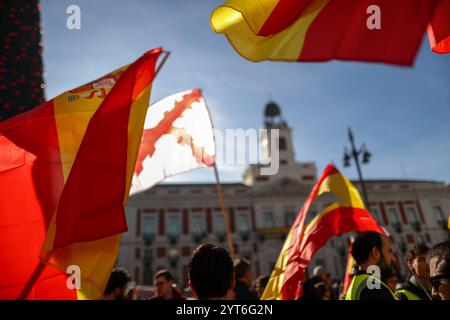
(55, 161)
(178, 137)
(439, 28)
(305, 239)
(319, 30)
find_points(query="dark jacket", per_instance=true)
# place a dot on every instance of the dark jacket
(243, 292)
(176, 296)
(408, 285)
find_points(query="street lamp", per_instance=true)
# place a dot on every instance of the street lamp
(355, 154)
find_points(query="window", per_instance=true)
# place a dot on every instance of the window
(198, 223)
(290, 214)
(149, 226)
(393, 216)
(282, 143)
(438, 213)
(173, 228)
(412, 216)
(219, 226)
(242, 222)
(376, 214)
(268, 220)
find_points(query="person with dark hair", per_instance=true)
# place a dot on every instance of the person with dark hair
(117, 285)
(439, 263)
(390, 277)
(211, 273)
(260, 285)
(418, 287)
(164, 287)
(243, 277)
(373, 255)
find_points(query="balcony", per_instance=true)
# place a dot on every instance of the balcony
(416, 226)
(198, 236)
(397, 227)
(220, 236)
(173, 238)
(244, 235)
(272, 233)
(148, 238)
(443, 224)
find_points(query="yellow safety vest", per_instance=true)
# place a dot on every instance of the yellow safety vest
(408, 294)
(359, 282)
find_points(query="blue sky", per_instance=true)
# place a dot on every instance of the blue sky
(402, 114)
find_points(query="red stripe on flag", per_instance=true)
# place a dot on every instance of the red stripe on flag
(91, 205)
(31, 182)
(340, 31)
(285, 13)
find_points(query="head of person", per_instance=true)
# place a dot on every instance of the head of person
(416, 261)
(439, 263)
(116, 289)
(323, 290)
(242, 271)
(163, 282)
(372, 248)
(211, 273)
(390, 278)
(318, 271)
(260, 285)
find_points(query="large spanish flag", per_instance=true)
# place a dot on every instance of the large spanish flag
(304, 240)
(55, 161)
(319, 30)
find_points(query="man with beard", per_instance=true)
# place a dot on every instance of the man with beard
(117, 285)
(418, 287)
(374, 255)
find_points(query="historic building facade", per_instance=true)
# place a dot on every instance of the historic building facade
(170, 220)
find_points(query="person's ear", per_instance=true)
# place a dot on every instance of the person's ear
(376, 254)
(192, 288)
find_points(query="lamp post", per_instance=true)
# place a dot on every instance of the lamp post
(355, 153)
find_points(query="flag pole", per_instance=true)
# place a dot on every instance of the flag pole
(166, 56)
(224, 213)
(221, 197)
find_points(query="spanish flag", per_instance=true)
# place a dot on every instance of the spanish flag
(319, 30)
(305, 239)
(56, 215)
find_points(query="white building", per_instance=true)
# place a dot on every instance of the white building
(168, 221)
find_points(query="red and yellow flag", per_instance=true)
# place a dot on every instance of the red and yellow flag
(439, 28)
(55, 161)
(304, 240)
(319, 30)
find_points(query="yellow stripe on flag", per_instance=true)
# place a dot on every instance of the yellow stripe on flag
(240, 22)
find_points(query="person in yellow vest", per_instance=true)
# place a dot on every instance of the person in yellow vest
(418, 287)
(373, 255)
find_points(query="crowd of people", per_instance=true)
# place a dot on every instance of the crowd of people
(213, 275)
